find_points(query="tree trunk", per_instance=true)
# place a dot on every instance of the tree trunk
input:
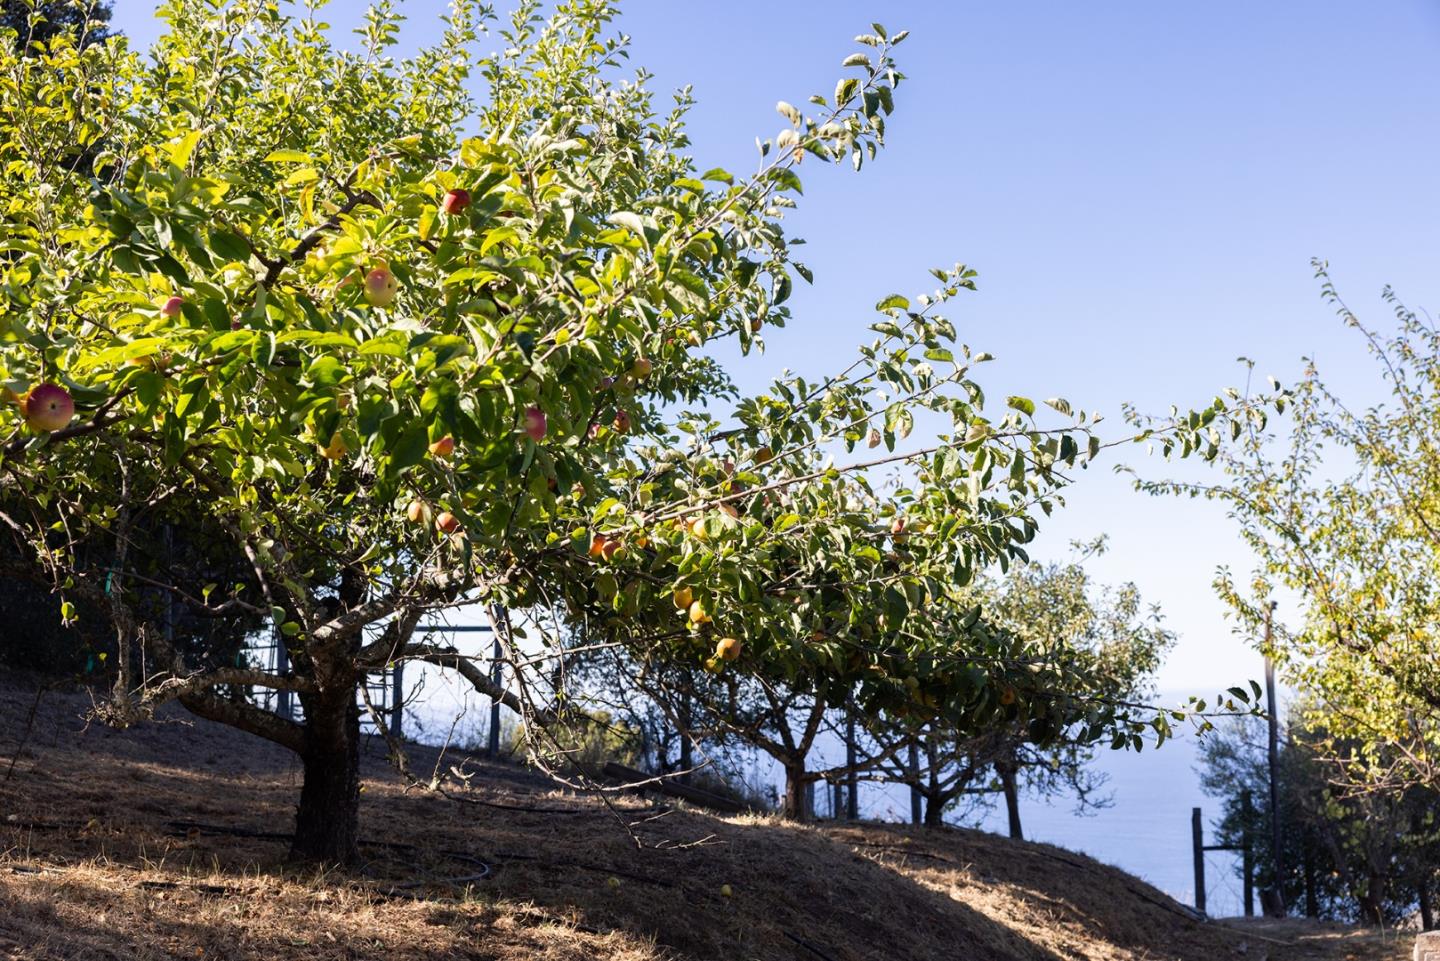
(795, 808)
(1370, 910)
(1427, 916)
(934, 811)
(1007, 772)
(327, 821)
(1312, 899)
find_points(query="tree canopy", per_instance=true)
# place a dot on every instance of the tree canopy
(1339, 508)
(404, 369)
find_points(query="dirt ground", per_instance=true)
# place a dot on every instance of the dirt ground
(167, 842)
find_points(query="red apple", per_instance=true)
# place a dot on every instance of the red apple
(380, 287)
(172, 307)
(443, 447)
(447, 522)
(622, 422)
(535, 423)
(48, 407)
(455, 201)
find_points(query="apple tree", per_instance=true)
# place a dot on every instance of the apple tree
(1338, 510)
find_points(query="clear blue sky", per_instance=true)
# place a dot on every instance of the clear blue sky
(1140, 184)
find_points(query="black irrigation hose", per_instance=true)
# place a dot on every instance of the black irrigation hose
(566, 863)
(808, 946)
(484, 872)
(525, 808)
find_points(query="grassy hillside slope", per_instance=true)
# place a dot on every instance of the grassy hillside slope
(167, 842)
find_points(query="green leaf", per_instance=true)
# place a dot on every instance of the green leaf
(410, 449)
(230, 246)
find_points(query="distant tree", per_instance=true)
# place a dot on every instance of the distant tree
(40, 21)
(1102, 641)
(1346, 855)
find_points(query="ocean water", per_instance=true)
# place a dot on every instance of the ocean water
(1146, 830)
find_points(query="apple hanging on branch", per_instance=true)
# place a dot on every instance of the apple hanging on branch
(47, 408)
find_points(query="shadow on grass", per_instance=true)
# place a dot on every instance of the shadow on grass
(95, 866)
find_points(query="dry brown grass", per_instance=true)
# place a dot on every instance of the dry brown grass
(92, 867)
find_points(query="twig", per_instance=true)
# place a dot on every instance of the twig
(25, 738)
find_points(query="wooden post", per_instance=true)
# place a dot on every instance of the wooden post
(1197, 834)
(397, 701)
(687, 747)
(915, 815)
(1247, 857)
(837, 802)
(852, 780)
(497, 625)
(1277, 866)
(283, 704)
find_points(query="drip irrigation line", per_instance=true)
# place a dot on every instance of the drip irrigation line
(809, 947)
(484, 873)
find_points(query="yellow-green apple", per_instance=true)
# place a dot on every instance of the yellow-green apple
(728, 648)
(641, 368)
(622, 422)
(336, 449)
(698, 614)
(683, 598)
(418, 511)
(380, 287)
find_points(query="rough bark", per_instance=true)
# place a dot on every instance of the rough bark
(327, 820)
(934, 811)
(795, 808)
(1012, 798)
